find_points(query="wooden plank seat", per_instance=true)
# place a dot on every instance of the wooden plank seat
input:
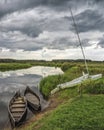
(19, 98)
(18, 105)
(17, 110)
(18, 102)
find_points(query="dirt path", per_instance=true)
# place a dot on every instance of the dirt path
(52, 104)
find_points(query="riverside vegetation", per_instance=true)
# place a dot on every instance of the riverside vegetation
(77, 108)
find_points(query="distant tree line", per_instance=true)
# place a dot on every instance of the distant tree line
(54, 60)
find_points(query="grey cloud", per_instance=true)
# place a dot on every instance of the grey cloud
(61, 43)
(25, 45)
(101, 42)
(34, 26)
(16, 40)
(9, 6)
(65, 43)
(27, 26)
(30, 30)
(98, 1)
(88, 20)
(56, 25)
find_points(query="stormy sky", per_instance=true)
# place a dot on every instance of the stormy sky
(43, 29)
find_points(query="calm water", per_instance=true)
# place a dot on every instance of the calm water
(11, 81)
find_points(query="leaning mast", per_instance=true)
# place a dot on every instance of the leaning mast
(75, 26)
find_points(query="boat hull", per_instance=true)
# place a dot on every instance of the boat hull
(17, 123)
(17, 110)
(35, 105)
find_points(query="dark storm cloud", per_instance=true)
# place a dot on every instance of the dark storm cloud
(34, 29)
(24, 22)
(88, 20)
(9, 6)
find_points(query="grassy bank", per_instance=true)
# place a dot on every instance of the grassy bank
(13, 66)
(84, 113)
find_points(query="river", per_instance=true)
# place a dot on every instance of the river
(11, 81)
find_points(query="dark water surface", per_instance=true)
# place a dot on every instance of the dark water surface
(11, 81)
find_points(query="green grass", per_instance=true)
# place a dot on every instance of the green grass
(93, 86)
(13, 66)
(84, 113)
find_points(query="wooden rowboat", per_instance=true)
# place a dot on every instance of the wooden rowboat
(17, 110)
(33, 100)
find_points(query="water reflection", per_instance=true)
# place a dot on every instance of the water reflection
(11, 84)
(11, 81)
(37, 70)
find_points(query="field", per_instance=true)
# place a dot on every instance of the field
(77, 108)
(84, 113)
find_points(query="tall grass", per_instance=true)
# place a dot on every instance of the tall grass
(49, 83)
